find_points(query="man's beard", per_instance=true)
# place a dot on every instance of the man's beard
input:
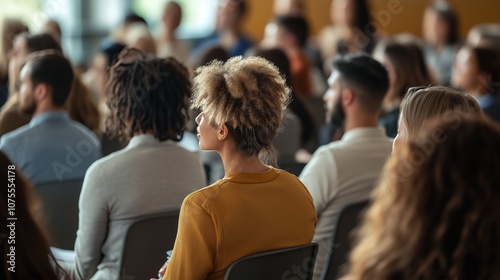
(29, 108)
(338, 115)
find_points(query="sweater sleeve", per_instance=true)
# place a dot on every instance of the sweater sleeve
(93, 224)
(320, 178)
(195, 245)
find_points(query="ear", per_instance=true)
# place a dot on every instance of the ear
(348, 97)
(41, 92)
(223, 132)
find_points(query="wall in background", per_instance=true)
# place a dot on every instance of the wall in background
(408, 16)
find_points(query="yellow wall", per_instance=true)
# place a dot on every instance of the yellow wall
(408, 18)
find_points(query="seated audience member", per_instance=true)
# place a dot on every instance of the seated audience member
(32, 258)
(167, 44)
(156, 174)
(484, 35)
(436, 216)
(9, 30)
(51, 147)
(79, 104)
(406, 66)
(477, 72)
(255, 207)
(440, 32)
(350, 30)
(290, 33)
(345, 171)
(289, 7)
(229, 34)
(422, 104)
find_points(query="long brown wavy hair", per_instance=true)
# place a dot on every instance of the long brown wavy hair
(33, 258)
(436, 211)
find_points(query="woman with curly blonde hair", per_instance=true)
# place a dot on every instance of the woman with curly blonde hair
(422, 104)
(255, 207)
(436, 211)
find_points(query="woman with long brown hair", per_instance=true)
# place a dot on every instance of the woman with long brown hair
(24, 237)
(436, 211)
(406, 65)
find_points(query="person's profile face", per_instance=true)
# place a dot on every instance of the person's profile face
(333, 104)
(27, 103)
(206, 133)
(465, 74)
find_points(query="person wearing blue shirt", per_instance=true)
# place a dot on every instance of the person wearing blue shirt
(51, 147)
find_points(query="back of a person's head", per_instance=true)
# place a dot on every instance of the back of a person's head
(488, 63)
(111, 50)
(215, 52)
(40, 42)
(295, 25)
(423, 104)
(436, 211)
(248, 95)
(367, 77)
(30, 257)
(148, 95)
(487, 34)
(278, 57)
(409, 66)
(54, 70)
(133, 18)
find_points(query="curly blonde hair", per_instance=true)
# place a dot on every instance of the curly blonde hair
(436, 211)
(248, 95)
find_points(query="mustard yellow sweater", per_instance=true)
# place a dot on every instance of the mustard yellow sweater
(241, 214)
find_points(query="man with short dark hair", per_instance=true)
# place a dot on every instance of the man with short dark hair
(345, 172)
(51, 147)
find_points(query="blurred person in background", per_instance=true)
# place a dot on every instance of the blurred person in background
(167, 43)
(477, 72)
(484, 35)
(10, 29)
(229, 34)
(80, 106)
(405, 63)
(441, 37)
(351, 31)
(290, 34)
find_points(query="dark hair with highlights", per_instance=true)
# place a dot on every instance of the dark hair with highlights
(147, 94)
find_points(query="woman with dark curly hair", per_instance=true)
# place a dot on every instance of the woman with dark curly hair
(148, 99)
(255, 207)
(436, 211)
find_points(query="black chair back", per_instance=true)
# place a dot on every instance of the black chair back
(278, 264)
(60, 204)
(348, 219)
(146, 243)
